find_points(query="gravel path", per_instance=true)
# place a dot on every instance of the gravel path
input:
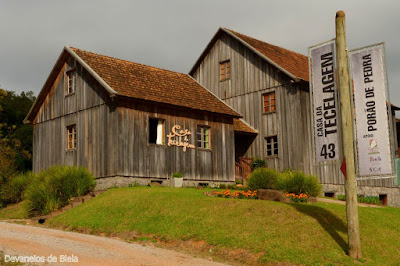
(22, 240)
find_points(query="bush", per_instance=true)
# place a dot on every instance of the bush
(264, 178)
(177, 175)
(13, 191)
(54, 187)
(297, 183)
(258, 163)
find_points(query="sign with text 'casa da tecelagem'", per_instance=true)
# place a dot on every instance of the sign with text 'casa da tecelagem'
(374, 148)
(324, 101)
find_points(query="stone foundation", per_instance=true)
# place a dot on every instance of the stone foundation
(120, 181)
(393, 194)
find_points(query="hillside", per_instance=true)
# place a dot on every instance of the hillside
(239, 231)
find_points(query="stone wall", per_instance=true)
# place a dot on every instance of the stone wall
(393, 194)
(120, 181)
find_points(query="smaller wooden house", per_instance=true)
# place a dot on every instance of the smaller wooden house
(128, 122)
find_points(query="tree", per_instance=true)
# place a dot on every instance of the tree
(15, 137)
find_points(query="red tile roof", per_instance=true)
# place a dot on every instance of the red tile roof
(153, 84)
(292, 62)
(240, 126)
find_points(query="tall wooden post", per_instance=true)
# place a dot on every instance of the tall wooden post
(353, 230)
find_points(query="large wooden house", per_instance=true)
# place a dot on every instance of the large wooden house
(128, 122)
(269, 86)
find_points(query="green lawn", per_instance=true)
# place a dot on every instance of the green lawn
(294, 233)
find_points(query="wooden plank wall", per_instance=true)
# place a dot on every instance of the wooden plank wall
(138, 158)
(95, 117)
(114, 140)
(251, 77)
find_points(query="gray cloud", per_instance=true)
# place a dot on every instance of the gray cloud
(172, 34)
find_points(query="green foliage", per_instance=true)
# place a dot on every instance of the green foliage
(222, 186)
(363, 199)
(263, 178)
(239, 182)
(54, 187)
(297, 182)
(257, 163)
(13, 191)
(13, 133)
(341, 197)
(368, 199)
(177, 175)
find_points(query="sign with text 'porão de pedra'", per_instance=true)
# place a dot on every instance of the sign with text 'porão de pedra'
(374, 147)
(324, 100)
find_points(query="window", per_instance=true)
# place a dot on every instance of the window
(203, 137)
(71, 82)
(71, 137)
(225, 70)
(156, 131)
(272, 145)
(269, 102)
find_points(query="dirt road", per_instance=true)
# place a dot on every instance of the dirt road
(22, 240)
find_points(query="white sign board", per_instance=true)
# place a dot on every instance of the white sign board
(324, 102)
(374, 149)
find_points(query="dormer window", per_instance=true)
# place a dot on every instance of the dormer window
(225, 70)
(71, 81)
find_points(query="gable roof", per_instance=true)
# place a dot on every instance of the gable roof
(133, 80)
(293, 64)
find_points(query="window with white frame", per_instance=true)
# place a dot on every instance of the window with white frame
(71, 82)
(156, 131)
(71, 137)
(203, 137)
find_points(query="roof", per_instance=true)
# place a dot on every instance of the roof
(240, 126)
(133, 80)
(295, 65)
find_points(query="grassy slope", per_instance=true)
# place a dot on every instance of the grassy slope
(295, 233)
(14, 211)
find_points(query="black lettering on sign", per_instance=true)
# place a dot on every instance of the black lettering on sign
(328, 151)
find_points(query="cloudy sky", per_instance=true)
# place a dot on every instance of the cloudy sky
(172, 34)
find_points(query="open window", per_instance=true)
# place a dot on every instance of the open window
(156, 131)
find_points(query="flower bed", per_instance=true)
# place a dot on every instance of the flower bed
(236, 194)
(297, 198)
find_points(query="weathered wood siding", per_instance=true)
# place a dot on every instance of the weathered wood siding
(251, 77)
(138, 158)
(112, 135)
(95, 117)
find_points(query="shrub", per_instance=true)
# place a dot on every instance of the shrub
(263, 178)
(54, 187)
(177, 175)
(258, 163)
(297, 182)
(13, 191)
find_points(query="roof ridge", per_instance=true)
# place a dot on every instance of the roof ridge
(127, 61)
(280, 47)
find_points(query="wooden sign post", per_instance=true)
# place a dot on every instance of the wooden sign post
(353, 230)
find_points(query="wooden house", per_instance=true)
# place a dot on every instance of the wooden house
(128, 122)
(269, 86)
